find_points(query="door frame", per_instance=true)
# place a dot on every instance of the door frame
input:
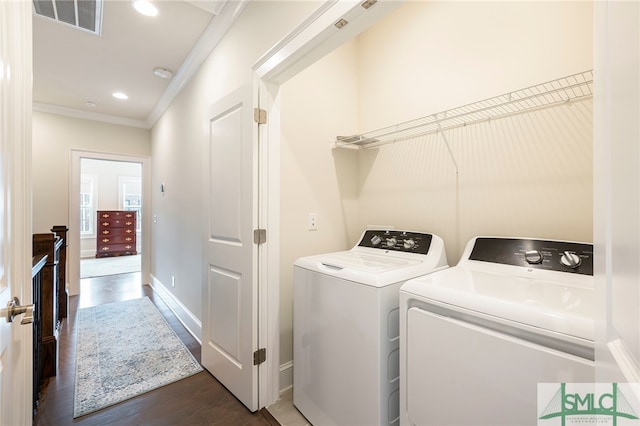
(73, 249)
(310, 41)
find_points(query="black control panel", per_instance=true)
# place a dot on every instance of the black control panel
(393, 240)
(539, 254)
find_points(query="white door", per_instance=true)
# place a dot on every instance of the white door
(230, 296)
(15, 209)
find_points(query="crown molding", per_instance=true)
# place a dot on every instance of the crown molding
(213, 34)
(87, 115)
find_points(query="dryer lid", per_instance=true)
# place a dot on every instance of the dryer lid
(564, 307)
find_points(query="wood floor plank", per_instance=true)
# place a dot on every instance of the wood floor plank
(196, 400)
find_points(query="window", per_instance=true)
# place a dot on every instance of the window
(87, 208)
(131, 197)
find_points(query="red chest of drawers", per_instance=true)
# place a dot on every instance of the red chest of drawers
(116, 233)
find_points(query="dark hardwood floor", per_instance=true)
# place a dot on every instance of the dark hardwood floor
(196, 400)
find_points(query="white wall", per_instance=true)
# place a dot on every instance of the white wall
(178, 138)
(528, 175)
(54, 136)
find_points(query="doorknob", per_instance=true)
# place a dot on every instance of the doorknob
(14, 309)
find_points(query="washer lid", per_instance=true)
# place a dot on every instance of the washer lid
(552, 305)
(366, 262)
(369, 267)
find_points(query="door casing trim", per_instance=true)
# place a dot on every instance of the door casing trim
(73, 257)
(311, 40)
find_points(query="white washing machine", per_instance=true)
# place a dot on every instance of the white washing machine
(477, 338)
(346, 326)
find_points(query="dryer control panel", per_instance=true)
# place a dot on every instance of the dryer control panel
(561, 256)
(395, 240)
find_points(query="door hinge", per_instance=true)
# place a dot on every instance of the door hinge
(259, 236)
(260, 115)
(259, 356)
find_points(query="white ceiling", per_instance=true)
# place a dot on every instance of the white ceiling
(72, 66)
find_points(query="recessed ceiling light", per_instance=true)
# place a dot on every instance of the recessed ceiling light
(145, 7)
(120, 95)
(162, 73)
(91, 104)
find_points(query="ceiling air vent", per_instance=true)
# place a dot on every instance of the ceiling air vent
(82, 14)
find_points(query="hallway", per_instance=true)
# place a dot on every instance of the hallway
(197, 400)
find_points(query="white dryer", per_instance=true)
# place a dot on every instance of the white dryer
(346, 326)
(477, 338)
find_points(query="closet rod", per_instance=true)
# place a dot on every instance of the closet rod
(554, 92)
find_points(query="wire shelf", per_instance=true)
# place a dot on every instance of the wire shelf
(562, 90)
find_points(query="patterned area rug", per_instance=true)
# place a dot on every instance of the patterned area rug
(125, 349)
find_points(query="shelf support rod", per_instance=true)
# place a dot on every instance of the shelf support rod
(446, 143)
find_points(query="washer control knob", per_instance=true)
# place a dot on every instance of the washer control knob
(533, 256)
(409, 243)
(570, 259)
(375, 240)
(391, 242)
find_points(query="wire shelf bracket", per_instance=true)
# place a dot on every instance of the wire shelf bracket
(555, 92)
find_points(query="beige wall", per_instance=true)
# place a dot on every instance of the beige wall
(431, 56)
(178, 138)
(317, 104)
(529, 175)
(54, 136)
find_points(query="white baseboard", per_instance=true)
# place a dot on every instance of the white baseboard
(194, 326)
(87, 253)
(184, 315)
(627, 364)
(286, 376)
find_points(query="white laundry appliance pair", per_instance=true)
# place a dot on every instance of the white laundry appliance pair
(346, 332)
(477, 338)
